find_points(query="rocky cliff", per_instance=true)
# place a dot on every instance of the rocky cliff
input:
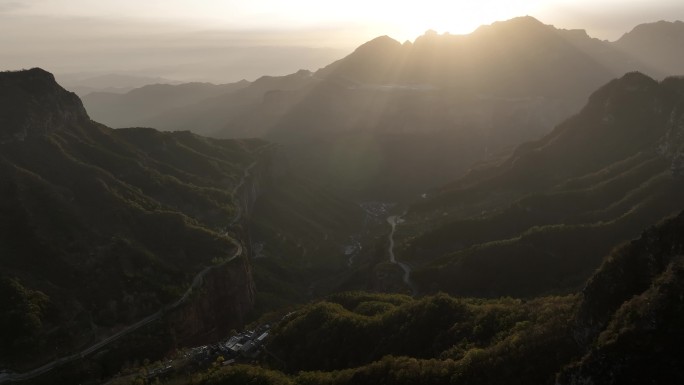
(51, 107)
(223, 303)
(629, 320)
(228, 293)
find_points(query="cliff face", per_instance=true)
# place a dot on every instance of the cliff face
(51, 107)
(223, 302)
(228, 292)
(672, 144)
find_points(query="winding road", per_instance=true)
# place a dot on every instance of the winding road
(6, 377)
(394, 220)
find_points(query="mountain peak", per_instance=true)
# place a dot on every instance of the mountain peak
(371, 62)
(661, 26)
(657, 44)
(637, 82)
(522, 22)
(35, 105)
(653, 33)
(633, 91)
(382, 43)
(527, 19)
(631, 81)
(637, 78)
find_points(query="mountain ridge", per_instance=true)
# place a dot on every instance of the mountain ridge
(105, 227)
(379, 109)
(657, 44)
(537, 203)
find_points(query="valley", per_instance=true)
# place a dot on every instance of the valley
(502, 204)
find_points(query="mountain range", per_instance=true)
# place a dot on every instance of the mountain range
(367, 123)
(622, 327)
(522, 227)
(85, 83)
(580, 293)
(499, 206)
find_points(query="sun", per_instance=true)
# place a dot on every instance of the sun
(406, 21)
(402, 20)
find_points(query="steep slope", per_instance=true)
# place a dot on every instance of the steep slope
(103, 227)
(631, 313)
(522, 227)
(34, 105)
(657, 44)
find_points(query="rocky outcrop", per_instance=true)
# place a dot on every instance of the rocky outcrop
(221, 304)
(228, 292)
(672, 144)
(629, 271)
(33, 104)
(631, 313)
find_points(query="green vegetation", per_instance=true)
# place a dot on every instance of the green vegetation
(299, 231)
(22, 312)
(105, 227)
(330, 335)
(541, 221)
(111, 225)
(437, 339)
(624, 327)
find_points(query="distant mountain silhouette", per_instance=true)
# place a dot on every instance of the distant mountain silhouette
(373, 62)
(391, 120)
(83, 84)
(609, 56)
(518, 57)
(657, 44)
(208, 116)
(520, 227)
(136, 106)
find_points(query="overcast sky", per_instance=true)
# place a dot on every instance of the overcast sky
(225, 40)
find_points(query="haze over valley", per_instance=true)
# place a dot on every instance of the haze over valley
(247, 192)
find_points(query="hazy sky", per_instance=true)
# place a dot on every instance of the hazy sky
(230, 39)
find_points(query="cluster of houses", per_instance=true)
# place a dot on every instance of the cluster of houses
(246, 344)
